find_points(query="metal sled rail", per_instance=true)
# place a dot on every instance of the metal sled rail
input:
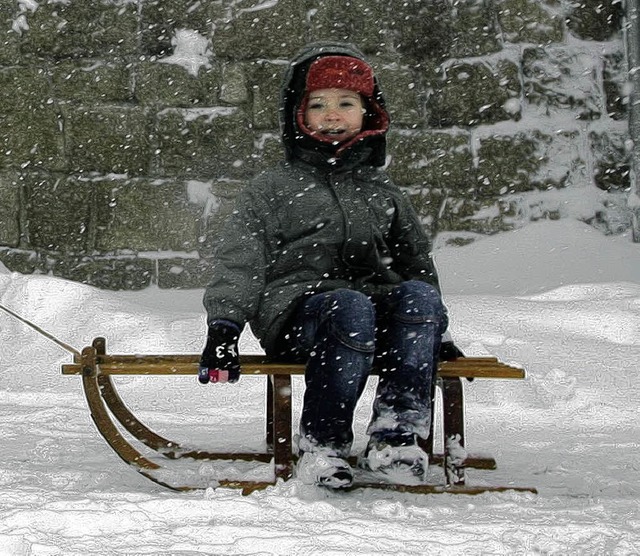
(96, 368)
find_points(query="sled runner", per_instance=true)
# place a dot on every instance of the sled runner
(96, 368)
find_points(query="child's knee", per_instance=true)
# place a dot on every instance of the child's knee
(352, 319)
(419, 301)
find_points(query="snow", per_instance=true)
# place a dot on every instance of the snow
(190, 50)
(558, 298)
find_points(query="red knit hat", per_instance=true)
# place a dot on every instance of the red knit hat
(340, 72)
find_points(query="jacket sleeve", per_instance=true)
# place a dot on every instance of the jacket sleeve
(239, 264)
(410, 245)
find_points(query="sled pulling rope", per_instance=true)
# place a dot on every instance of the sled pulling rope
(41, 331)
(96, 368)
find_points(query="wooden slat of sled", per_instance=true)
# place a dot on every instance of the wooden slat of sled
(468, 367)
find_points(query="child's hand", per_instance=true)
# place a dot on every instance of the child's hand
(220, 361)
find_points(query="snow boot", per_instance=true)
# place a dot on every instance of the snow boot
(396, 456)
(323, 467)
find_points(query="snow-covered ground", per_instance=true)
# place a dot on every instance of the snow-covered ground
(558, 298)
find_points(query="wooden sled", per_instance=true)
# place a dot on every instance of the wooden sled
(96, 368)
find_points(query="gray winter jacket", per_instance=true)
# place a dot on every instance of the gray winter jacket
(314, 224)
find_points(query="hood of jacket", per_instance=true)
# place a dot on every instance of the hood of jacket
(292, 93)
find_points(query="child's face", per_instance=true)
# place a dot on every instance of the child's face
(335, 114)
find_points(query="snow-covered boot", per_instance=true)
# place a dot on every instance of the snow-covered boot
(325, 468)
(398, 457)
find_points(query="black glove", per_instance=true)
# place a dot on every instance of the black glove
(220, 361)
(449, 352)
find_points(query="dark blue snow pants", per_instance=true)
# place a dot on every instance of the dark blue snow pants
(339, 333)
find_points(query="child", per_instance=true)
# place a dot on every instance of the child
(328, 262)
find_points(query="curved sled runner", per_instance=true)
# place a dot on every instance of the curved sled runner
(96, 368)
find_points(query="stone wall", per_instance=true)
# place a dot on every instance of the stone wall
(127, 127)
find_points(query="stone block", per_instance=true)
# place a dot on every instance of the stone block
(561, 77)
(108, 139)
(615, 85)
(161, 18)
(250, 30)
(234, 87)
(183, 273)
(422, 32)
(611, 160)
(595, 20)
(106, 273)
(468, 94)
(476, 216)
(505, 164)
(9, 33)
(81, 29)
(441, 210)
(30, 133)
(473, 28)
(268, 150)
(265, 79)
(356, 21)
(24, 88)
(205, 143)
(561, 156)
(527, 21)
(432, 159)
(427, 201)
(58, 213)
(91, 82)
(10, 185)
(401, 90)
(145, 215)
(223, 193)
(32, 139)
(22, 261)
(528, 161)
(9, 51)
(615, 216)
(170, 85)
